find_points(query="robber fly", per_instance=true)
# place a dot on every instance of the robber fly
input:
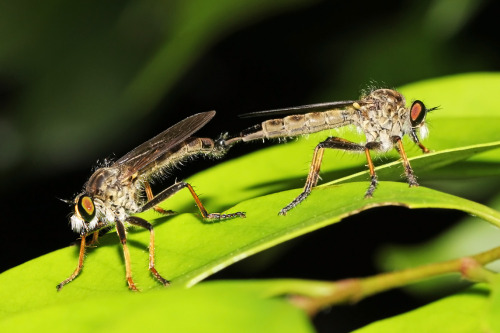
(381, 115)
(115, 192)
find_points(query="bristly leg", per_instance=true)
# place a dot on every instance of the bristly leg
(93, 242)
(219, 216)
(150, 196)
(168, 192)
(371, 167)
(313, 176)
(120, 229)
(412, 179)
(372, 187)
(137, 221)
(424, 149)
(301, 197)
(78, 268)
(414, 137)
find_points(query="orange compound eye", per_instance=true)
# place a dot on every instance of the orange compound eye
(85, 208)
(417, 113)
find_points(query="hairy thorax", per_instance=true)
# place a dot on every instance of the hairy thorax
(382, 116)
(115, 198)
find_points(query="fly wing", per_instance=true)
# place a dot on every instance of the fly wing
(148, 152)
(320, 107)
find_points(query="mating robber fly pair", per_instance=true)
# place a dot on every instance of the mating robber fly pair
(114, 192)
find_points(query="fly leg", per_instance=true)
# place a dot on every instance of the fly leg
(168, 192)
(150, 196)
(373, 176)
(313, 176)
(145, 224)
(120, 229)
(94, 240)
(424, 149)
(414, 137)
(78, 268)
(412, 179)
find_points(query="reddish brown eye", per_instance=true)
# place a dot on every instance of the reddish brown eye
(85, 208)
(88, 205)
(417, 113)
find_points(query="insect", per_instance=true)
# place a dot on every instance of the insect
(115, 192)
(381, 115)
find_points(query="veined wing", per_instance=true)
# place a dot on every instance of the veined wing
(148, 152)
(320, 107)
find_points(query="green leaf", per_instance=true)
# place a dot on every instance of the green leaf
(460, 313)
(224, 306)
(188, 250)
(458, 241)
(491, 314)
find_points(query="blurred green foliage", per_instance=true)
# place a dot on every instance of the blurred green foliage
(80, 79)
(188, 250)
(76, 76)
(77, 73)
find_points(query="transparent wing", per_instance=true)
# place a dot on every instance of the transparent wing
(148, 152)
(320, 107)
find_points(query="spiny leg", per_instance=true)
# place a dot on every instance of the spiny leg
(78, 268)
(312, 179)
(168, 192)
(203, 211)
(414, 137)
(120, 229)
(371, 167)
(412, 179)
(425, 150)
(150, 196)
(94, 240)
(145, 224)
(313, 176)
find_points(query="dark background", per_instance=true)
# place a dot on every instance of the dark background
(71, 93)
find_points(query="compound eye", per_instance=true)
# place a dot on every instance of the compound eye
(417, 113)
(85, 208)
